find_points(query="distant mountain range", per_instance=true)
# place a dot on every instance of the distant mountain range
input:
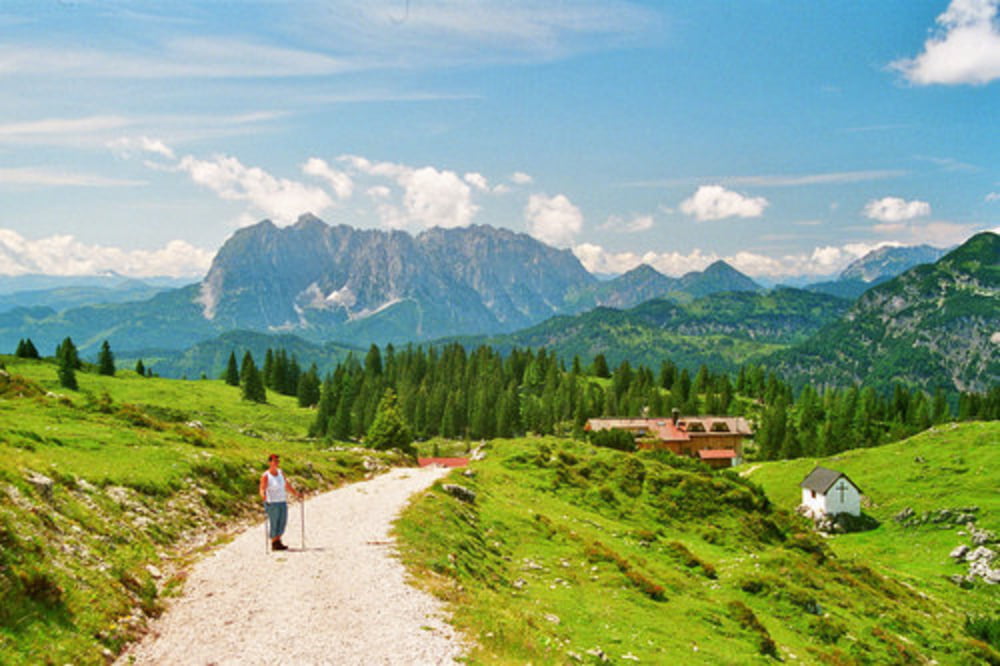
(356, 286)
(875, 268)
(310, 285)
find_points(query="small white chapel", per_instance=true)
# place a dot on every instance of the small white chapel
(829, 492)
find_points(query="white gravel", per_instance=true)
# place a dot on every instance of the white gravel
(342, 600)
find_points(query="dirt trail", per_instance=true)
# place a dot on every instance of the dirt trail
(342, 600)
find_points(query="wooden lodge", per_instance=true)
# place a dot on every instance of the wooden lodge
(716, 440)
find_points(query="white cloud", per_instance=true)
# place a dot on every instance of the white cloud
(894, 209)
(64, 255)
(940, 233)
(341, 183)
(636, 224)
(188, 57)
(280, 199)
(478, 181)
(50, 178)
(714, 202)
(965, 50)
(126, 146)
(431, 197)
(521, 178)
(821, 261)
(553, 220)
(379, 192)
(787, 180)
(993, 196)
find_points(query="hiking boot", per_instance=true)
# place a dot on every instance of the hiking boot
(277, 545)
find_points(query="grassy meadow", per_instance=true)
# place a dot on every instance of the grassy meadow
(571, 554)
(951, 466)
(98, 484)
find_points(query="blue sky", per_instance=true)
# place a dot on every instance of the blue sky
(788, 138)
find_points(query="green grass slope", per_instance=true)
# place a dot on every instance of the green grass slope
(128, 472)
(572, 554)
(947, 467)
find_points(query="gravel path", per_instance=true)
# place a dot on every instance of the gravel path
(342, 600)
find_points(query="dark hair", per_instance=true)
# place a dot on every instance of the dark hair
(273, 456)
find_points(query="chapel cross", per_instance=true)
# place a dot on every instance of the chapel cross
(843, 489)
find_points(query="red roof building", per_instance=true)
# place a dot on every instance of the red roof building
(718, 440)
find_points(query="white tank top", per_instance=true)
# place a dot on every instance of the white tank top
(276, 487)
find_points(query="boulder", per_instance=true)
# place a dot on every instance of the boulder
(42, 484)
(459, 492)
(958, 552)
(980, 554)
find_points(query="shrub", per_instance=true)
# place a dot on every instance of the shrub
(827, 629)
(746, 619)
(632, 476)
(984, 627)
(646, 586)
(681, 553)
(622, 440)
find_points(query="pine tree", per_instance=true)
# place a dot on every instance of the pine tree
(389, 430)
(67, 350)
(67, 360)
(106, 360)
(308, 389)
(140, 369)
(251, 382)
(601, 367)
(19, 352)
(232, 375)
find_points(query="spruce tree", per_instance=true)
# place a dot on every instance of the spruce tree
(19, 352)
(232, 375)
(67, 360)
(67, 350)
(251, 381)
(106, 360)
(389, 430)
(140, 369)
(601, 367)
(308, 389)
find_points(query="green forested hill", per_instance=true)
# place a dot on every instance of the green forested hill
(569, 552)
(935, 326)
(210, 356)
(722, 330)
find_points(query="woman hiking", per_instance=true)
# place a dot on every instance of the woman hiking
(273, 491)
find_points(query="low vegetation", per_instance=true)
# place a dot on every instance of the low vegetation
(924, 491)
(108, 492)
(572, 553)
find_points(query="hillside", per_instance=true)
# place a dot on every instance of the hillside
(933, 326)
(947, 467)
(210, 356)
(108, 492)
(569, 553)
(722, 330)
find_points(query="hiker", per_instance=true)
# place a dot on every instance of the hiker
(273, 491)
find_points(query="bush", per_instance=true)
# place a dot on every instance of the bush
(985, 628)
(621, 440)
(827, 629)
(746, 619)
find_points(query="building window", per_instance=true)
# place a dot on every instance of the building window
(813, 494)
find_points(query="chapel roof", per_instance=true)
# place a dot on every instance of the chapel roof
(821, 479)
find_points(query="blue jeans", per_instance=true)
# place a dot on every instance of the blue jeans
(277, 515)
